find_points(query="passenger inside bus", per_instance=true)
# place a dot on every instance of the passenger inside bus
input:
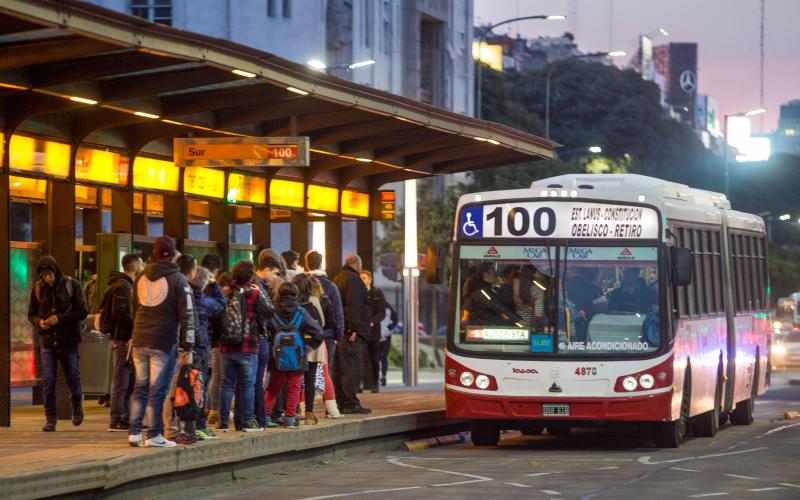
(525, 294)
(588, 298)
(633, 295)
(482, 305)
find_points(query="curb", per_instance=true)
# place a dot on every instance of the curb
(152, 464)
(435, 442)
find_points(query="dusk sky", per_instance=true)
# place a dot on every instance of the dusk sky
(726, 31)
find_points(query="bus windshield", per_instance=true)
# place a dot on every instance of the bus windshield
(558, 300)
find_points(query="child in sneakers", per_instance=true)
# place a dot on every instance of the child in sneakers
(289, 315)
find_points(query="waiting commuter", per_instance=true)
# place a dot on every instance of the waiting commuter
(328, 317)
(333, 331)
(357, 313)
(162, 322)
(56, 309)
(240, 361)
(116, 320)
(292, 261)
(371, 347)
(270, 270)
(388, 326)
(214, 384)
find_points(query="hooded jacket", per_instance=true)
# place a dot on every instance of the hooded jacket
(163, 308)
(377, 302)
(120, 290)
(285, 307)
(209, 305)
(335, 329)
(64, 300)
(355, 303)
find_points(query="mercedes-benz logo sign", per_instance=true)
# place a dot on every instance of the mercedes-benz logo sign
(688, 81)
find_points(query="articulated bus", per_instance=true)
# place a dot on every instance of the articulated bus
(602, 299)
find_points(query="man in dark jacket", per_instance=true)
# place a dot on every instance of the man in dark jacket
(163, 319)
(117, 301)
(347, 364)
(56, 309)
(333, 332)
(371, 347)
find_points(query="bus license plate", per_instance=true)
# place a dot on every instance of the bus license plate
(555, 410)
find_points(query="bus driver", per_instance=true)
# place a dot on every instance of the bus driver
(633, 295)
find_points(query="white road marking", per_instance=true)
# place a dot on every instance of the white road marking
(550, 492)
(686, 470)
(475, 478)
(715, 494)
(519, 485)
(741, 477)
(772, 488)
(646, 459)
(362, 493)
(607, 468)
(777, 429)
(536, 474)
(790, 485)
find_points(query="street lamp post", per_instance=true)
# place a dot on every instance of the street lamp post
(725, 153)
(616, 53)
(482, 38)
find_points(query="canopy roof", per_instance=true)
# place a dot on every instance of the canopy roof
(151, 83)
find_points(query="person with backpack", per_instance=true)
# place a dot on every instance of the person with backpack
(116, 321)
(294, 332)
(333, 331)
(248, 310)
(270, 268)
(163, 328)
(216, 327)
(56, 309)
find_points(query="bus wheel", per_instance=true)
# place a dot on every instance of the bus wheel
(672, 434)
(707, 424)
(558, 429)
(531, 429)
(743, 414)
(484, 432)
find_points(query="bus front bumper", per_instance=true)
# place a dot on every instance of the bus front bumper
(648, 408)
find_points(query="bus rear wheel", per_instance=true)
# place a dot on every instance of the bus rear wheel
(484, 432)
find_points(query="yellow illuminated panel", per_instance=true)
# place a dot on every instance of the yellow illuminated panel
(105, 198)
(155, 204)
(32, 189)
(323, 198)
(204, 182)
(96, 165)
(244, 213)
(247, 189)
(286, 193)
(2, 146)
(138, 202)
(197, 209)
(149, 173)
(85, 196)
(35, 155)
(492, 55)
(355, 203)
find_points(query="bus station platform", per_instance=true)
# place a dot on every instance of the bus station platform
(89, 461)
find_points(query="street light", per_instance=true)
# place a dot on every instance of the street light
(785, 217)
(750, 113)
(482, 38)
(613, 53)
(595, 149)
(321, 66)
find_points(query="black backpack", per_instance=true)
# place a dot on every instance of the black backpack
(236, 323)
(106, 321)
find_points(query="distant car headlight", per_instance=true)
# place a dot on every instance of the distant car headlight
(646, 381)
(776, 325)
(778, 350)
(482, 381)
(467, 378)
(629, 383)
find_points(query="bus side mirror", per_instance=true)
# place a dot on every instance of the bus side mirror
(682, 266)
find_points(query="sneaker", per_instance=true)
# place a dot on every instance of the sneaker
(213, 418)
(252, 426)
(356, 410)
(50, 426)
(184, 438)
(268, 423)
(290, 423)
(280, 420)
(119, 427)
(222, 428)
(159, 442)
(206, 433)
(135, 440)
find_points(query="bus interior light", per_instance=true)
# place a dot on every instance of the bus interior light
(646, 381)
(629, 383)
(466, 379)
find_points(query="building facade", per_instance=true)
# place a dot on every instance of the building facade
(786, 140)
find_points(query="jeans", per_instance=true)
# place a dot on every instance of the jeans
(241, 366)
(370, 353)
(346, 369)
(122, 383)
(263, 359)
(154, 372)
(293, 382)
(70, 364)
(383, 355)
(202, 357)
(215, 381)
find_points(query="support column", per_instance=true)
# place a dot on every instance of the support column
(299, 231)
(5, 302)
(218, 229)
(364, 244)
(61, 245)
(333, 243)
(92, 224)
(261, 227)
(39, 234)
(121, 211)
(175, 221)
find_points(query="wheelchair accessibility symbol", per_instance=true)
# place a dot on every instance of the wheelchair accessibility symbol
(472, 222)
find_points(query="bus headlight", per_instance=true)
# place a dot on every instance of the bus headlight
(467, 378)
(646, 381)
(482, 382)
(628, 383)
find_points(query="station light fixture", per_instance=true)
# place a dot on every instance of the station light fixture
(361, 64)
(364, 160)
(146, 115)
(83, 100)
(317, 65)
(296, 90)
(243, 73)
(617, 53)
(556, 18)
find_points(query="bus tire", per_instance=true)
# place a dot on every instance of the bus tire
(484, 432)
(558, 429)
(531, 429)
(707, 424)
(743, 413)
(672, 434)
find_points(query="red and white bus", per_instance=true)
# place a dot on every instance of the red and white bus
(593, 299)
